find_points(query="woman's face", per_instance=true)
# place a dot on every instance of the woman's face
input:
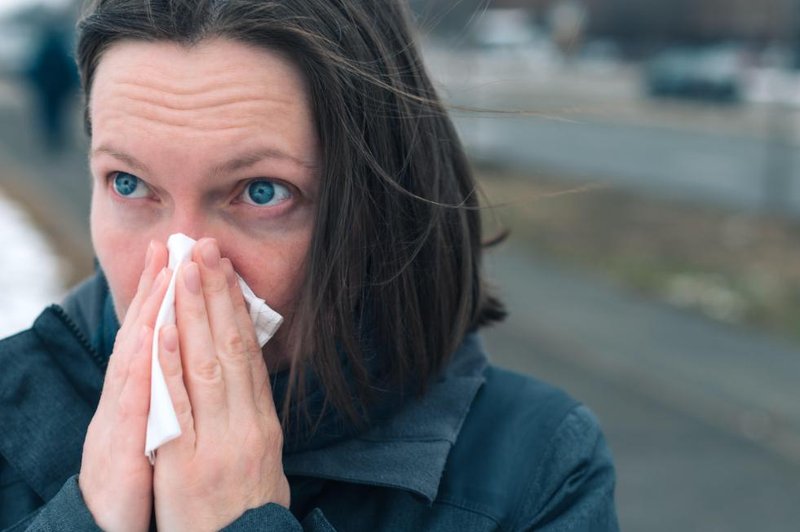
(216, 140)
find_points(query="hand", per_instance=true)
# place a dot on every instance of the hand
(116, 479)
(228, 458)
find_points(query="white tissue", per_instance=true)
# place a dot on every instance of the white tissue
(162, 423)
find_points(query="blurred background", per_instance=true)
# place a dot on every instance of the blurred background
(643, 154)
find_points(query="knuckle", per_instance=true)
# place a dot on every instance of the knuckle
(235, 343)
(234, 347)
(129, 406)
(251, 344)
(170, 366)
(273, 433)
(196, 311)
(215, 284)
(208, 370)
(183, 411)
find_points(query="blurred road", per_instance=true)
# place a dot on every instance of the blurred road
(693, 410)
(702, 418)
(716, 169)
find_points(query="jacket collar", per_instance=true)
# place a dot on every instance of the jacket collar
(409, 451)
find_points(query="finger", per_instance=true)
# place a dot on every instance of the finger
(229, 342)
(133, 403)
(262, 391)
(150, 307)
(155, 261)
(201, 368)
(129, 342)
(150, 291)
(117, 371)
(170, 359)
(146, 312)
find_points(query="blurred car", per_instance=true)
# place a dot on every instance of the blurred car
(706, 73)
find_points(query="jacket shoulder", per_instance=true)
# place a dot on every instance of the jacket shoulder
(526, 452)
(49, 388)
(84, 303)
(510, 424)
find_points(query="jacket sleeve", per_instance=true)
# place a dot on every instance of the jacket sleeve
(577, 480)
(274, 517)
(66, 511)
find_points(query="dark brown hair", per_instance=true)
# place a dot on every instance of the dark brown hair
(394, 268)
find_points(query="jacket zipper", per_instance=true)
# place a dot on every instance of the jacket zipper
(79, 335)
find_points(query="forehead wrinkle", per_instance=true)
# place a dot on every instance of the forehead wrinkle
(209, 99)
(200, 100)
(205, 116)
(159, 82)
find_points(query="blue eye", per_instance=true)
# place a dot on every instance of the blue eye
(262, 192)
(129, 186)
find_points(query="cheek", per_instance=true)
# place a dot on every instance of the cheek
(279, 278)
(121, 253)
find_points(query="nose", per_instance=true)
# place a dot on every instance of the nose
(191, 221)
(196, 220)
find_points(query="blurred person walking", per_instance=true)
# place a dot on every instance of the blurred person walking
(53, 78)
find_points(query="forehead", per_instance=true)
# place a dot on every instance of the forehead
(215, 89)
(186, 69)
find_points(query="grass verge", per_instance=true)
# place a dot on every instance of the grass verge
(733, 267)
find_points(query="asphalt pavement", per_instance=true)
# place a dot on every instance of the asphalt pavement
(686, 165)
(702, 418)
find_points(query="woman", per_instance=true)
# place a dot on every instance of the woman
(302, 144)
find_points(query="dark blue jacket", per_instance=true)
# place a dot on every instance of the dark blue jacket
(484, 449)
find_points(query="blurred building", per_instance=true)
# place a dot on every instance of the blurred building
(644, 24)
(695, 20)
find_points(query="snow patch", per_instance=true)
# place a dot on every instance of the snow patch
(30, 271)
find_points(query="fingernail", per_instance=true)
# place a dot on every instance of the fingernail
(169, 336)
(191, 277)
(210, 254)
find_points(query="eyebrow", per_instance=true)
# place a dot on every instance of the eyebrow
(248, 159)
(130, 160)
(239, 162)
